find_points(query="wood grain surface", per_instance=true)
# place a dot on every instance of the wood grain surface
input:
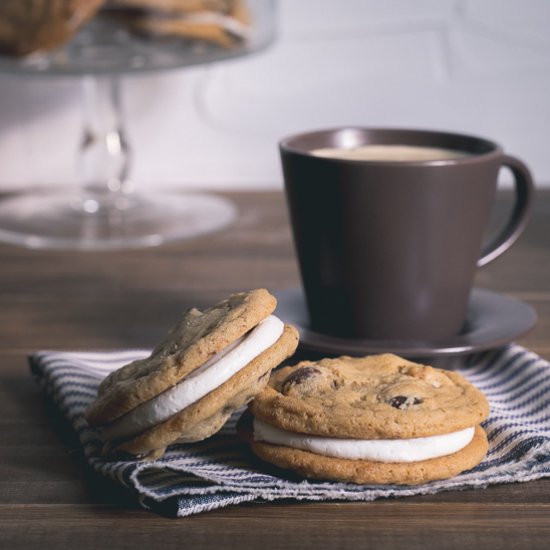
(71, 300)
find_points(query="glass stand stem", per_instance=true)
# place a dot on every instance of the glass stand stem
(103, 212)
(104, 154)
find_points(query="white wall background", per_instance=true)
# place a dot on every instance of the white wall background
(477, 66)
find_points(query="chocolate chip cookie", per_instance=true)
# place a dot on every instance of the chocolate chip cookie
(210, 364)
(42, 25)
(371, 420)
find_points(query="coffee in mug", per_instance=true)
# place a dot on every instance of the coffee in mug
(393, 153)
(388, 226)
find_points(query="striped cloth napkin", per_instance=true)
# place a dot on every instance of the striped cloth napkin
(193, 478)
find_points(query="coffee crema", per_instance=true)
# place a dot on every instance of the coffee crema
(392, 153)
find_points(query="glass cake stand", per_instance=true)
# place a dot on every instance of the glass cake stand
(102, 211)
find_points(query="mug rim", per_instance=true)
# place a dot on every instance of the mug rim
(288, 145)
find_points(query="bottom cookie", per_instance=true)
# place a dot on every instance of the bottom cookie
(367, 472)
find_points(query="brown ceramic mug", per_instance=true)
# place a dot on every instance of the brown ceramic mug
(388, 248)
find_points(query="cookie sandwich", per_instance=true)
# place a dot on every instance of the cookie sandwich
(225, 23)
(373, 420)
(210, 364)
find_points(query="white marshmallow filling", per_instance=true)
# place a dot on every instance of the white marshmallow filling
(215, 372)
(376, 450)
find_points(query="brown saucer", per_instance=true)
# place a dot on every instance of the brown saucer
(493, 320)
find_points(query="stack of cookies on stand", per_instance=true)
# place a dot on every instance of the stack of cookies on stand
(40, 26)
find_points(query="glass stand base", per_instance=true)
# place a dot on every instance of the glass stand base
(56, 219)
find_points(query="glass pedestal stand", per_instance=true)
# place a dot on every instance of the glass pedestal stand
(104, 212)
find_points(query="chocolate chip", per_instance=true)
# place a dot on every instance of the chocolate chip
(299, 376)
(402, 402)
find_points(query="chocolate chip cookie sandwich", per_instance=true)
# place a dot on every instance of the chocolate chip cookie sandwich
(225, 23)
(372, 420)
(210, 364)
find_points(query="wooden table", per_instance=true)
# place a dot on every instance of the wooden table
(69, 300)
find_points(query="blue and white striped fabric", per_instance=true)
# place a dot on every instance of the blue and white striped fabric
(192, 478)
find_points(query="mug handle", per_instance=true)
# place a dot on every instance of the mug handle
(525, 191)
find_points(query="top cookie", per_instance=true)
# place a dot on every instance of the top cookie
(375, 397)
(198, 337)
